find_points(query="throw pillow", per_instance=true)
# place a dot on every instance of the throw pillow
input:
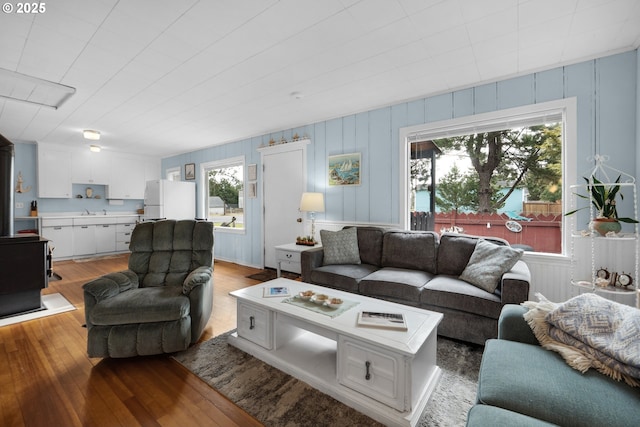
(488, 263)
(340, 247)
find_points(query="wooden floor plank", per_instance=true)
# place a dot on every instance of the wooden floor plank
(47, 379)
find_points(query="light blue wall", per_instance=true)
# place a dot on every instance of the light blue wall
(607, 100)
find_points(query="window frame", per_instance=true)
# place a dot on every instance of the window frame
(172, 173)
(204, 185)
(510, 117)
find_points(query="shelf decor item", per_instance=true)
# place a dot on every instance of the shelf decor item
(602, 196)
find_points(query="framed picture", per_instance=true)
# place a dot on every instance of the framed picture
(344, 169)
(252, 190)
(190, 171)
(252, 172)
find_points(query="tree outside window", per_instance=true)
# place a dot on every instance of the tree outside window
(511, 173)
(226, 195)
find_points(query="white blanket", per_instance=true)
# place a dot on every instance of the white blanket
(590, 331)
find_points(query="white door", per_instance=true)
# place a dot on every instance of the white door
(283, 183)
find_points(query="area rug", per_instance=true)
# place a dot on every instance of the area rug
(52, 304)
(277, 399)
(270, 274)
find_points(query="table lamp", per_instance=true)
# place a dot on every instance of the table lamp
(312, 203)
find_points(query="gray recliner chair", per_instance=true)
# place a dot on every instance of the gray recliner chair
(163, 302)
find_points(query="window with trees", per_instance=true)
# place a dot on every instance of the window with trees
(499, 174)
(224, 194)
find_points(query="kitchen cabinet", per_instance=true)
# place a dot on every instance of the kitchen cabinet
(123, 236)
(105, 238)
(88, 167)
(125, 175)
(54, 171)
(84, 240)
(127, 180)
(59, 232)
(87, 235)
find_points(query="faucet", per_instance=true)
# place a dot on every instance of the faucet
(87, 211)
(105, 211)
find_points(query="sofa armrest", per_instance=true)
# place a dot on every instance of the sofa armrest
(105, 287)
(513, 327)
(309, 261)
(514, 285)
(198, 286)
(197, 277)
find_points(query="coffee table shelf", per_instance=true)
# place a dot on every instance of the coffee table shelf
(334, 355)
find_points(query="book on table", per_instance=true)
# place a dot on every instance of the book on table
(382, 320)
(276, 291)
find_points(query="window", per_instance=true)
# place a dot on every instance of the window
(504, 169)
(173, 174)
(224, 193)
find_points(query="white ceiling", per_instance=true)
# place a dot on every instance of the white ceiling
(171, 76)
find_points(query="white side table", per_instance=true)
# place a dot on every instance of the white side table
(288, 257)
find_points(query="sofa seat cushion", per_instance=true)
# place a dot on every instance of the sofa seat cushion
(536, 382)
(396, 283)
(142, 305)
(451, 292)
(344, 276)
(490, 416)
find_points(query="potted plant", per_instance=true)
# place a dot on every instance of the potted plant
(305, 241)
(603, 198)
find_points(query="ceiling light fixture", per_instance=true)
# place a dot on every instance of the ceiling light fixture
(21, 87)
(296, 95)
(93, 135)
(95, 148)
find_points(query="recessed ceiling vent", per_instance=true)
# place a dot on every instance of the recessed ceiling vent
(20, 87)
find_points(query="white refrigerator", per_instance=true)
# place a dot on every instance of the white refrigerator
(164, 199)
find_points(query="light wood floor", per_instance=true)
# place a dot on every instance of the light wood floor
(46, 378)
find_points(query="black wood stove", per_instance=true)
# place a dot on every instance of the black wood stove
(24, 261)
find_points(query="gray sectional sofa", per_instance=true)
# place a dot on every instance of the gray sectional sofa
(522, 384)
(422, 269)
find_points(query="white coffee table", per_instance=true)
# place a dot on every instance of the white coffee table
(385, 374)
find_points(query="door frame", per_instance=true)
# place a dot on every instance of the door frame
(275, 149)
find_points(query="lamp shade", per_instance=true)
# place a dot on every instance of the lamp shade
(312, 202)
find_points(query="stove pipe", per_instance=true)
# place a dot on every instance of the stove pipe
(6, 187)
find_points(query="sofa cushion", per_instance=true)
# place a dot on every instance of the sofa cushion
(370, 245)
(345, 277)
(340, 247)
(451, 292)
(488, 263)
(415, 250)
(491, 416)
(396, 283)
(142, 305)
(454, 251)
(536, 382)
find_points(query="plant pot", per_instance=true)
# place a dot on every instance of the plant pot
(605, 225)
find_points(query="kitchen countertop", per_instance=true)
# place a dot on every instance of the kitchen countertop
(59, 215)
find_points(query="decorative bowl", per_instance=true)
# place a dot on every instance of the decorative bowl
(333, 302)
(320, 298)
(306, 295)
